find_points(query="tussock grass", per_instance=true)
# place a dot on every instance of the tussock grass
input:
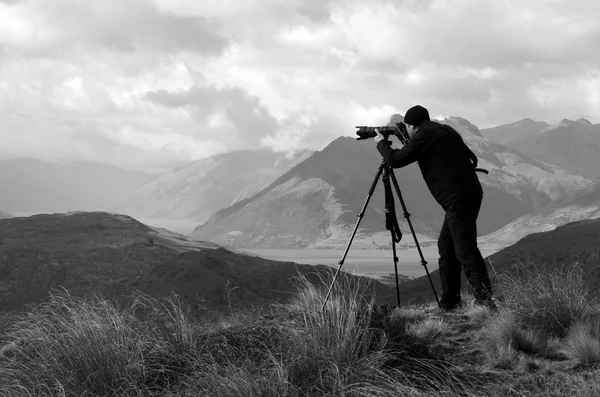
(407, 315)
(506, 357)
(504, 337)
(392, 359)
(429, 328)
(478, 314)
(532, 364)
(344, 352)
(582, 344)
(72, 346)
(69, 345)
(551, 297)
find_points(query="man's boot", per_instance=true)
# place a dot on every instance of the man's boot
(450, 303)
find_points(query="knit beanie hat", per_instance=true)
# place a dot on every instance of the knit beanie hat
(416, 115)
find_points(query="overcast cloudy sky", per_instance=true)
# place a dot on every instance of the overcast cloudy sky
(146, 84)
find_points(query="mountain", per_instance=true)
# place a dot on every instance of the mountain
(113, 254)
(513, 171)
(5, 215)
(317, 201)
(572, 145)
(197, 190)
(585, 204)
(30, 186)
(507, 134)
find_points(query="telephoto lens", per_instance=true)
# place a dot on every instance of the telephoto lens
(365, 132)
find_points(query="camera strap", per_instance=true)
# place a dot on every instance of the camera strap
(391, 221)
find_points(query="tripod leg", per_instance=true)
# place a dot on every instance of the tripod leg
(396, 269)
(391, 223)
(412, 230)
(360, 216)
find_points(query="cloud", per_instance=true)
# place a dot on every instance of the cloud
(60, 27)
(229, 113)
(149, 83)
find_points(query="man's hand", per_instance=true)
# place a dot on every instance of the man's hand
(379, 137)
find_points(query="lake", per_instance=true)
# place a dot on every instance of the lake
(374, 263)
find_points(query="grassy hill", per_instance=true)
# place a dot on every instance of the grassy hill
(111, 255)
(543, 341)
(70, 346)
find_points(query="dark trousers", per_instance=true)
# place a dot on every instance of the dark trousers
(457, 245)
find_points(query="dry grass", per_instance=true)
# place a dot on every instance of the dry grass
(429, 328)
(551, 297)
(582, 344)
(503, 331)
(477, 314)
(407, 315)
(89, 347)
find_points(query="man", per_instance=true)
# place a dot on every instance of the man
(448, 168)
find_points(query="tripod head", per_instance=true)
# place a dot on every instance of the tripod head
(398, 129)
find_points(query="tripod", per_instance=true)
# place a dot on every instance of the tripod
(391, 224)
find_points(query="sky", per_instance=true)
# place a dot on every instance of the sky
(151, 84)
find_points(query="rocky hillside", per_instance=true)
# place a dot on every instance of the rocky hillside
(111, 255)
(199, 189)
(583, 205)
(318, 200)
(30, 186)
(571, 145)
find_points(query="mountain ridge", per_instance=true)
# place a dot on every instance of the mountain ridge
(346, 169)
(571, 145)
(199, 189)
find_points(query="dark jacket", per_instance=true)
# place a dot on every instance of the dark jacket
(447, 164)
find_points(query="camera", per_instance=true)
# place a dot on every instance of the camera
(398, 129)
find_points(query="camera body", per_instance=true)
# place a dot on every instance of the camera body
(398, 129)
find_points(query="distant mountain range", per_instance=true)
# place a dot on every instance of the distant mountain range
(583, 205)
(318, 199)
(260, 199)
(5, 215)
(197, 190)
(508, 134)
(30, 186)
(572, 145)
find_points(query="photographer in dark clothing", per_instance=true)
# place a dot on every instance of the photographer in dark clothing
(448, 168)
